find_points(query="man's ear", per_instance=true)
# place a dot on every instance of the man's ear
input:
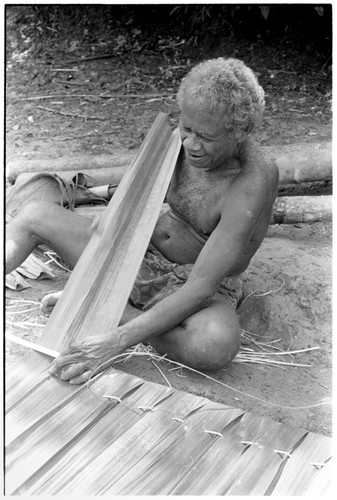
(247, 150)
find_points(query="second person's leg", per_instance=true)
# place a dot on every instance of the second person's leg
(37, 223)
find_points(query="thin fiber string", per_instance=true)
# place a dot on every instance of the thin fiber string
(109, 362)
(181, 365)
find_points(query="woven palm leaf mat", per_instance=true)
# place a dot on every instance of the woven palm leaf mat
(121, 435)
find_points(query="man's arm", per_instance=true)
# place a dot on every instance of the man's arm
(239, 215)
(240, 211)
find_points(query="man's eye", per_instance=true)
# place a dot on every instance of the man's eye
(189, 131)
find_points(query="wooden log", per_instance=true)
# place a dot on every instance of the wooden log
(297, 209)
(296, 163)
(286, 210)
(302, 162)
(70, 165)
(100, 176)
(98, 288)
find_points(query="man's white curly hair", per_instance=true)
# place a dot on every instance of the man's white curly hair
(226, 85)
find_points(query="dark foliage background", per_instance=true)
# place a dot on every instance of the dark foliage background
(307, 27)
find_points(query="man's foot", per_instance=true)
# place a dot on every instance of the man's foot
(50, 300)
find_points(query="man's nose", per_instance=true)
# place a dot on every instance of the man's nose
(192, 142)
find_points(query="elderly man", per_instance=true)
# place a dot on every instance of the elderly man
(219, 207)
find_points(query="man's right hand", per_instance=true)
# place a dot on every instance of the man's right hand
(82, 360)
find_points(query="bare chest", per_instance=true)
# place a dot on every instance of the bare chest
(195, 196)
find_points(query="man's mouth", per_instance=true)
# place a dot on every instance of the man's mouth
(195, 157)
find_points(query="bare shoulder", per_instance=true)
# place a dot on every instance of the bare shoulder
(258, 167)
(254, 189)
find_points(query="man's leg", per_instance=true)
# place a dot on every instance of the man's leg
(207, 340)
(46, 223)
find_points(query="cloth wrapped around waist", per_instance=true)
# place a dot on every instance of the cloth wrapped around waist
(158, 278)
(50, 187)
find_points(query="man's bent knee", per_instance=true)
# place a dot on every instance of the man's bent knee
(202, 347)
(31, 215)
(215, 349)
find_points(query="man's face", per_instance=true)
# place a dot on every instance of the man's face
(206, 142)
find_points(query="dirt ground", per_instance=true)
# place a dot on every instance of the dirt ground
(71, 107)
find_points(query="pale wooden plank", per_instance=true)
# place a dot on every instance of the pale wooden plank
(31, 345)
(98, 289)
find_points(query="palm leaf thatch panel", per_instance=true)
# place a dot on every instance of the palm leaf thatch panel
(100, 284)
(23, 377)
(175, 454)
(123, 435)
(108, 429)
(243, 460)
(51, 396)
(305, 466)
